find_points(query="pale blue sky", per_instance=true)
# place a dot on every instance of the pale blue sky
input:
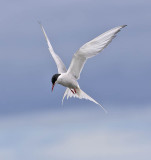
(122, 70)
(85, 134)
(33, 124)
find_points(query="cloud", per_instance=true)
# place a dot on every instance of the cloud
(77, 134)
(99, 144)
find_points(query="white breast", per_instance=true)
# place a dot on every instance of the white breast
(67, 81)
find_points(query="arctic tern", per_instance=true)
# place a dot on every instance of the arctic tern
(68, 78)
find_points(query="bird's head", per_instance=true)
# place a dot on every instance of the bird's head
(54, 79)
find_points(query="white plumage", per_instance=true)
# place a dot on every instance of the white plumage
(68, 78)
(60, 65)
(91, 49)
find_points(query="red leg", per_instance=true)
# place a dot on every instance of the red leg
(75, 91)
(72, 91)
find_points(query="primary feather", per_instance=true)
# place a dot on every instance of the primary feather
(89, 50)
(60, 65)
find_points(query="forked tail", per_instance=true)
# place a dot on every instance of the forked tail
(80, 94)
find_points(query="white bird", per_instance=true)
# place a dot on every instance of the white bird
(68, 78)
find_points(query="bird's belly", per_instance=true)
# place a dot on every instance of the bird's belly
(69, 83)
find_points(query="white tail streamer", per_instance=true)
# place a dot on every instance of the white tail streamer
(81, 95)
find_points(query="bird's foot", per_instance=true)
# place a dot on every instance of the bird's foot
(75, 91)
(72, 91)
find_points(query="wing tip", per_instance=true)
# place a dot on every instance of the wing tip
(38, 21)
(123, 26)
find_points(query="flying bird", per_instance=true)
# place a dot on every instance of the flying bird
(68, 78)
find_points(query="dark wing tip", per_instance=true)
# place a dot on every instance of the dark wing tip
(39, 22)
(123, 26)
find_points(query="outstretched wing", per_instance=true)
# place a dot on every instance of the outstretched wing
(60, 65)
(91, 49)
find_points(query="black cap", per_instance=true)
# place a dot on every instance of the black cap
(54, 78)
